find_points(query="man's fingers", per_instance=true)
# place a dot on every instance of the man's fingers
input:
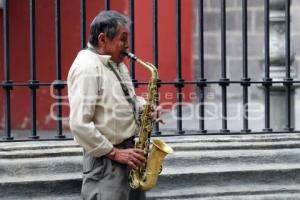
(132, 165)
(136, 161)
(139, 151)
(158, 108)
(140, 155)
(159, 120)
(157, 113)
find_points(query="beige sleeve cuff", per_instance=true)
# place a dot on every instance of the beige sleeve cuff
(102, 149)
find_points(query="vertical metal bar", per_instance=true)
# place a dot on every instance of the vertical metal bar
(132, 45)
(224, 82)
(287, 38)
(6, 39)
(201, 37)
(223, 38)
(179, 81)
(245, 37)
(83, 23)
(288, 78)
(155, 54)
(58, 84)
(201, 82)
(155, 32)
(267, 80)
(33, 83)
(7, 83)
(288, 108)
(57, 40)
(107, 4)
(267, 36)
(245, 80)
(32, 39)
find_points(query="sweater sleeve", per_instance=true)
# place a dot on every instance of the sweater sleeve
(83, 93)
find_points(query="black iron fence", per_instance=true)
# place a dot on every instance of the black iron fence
(224, 82)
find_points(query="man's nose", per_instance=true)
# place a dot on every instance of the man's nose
(126, 46)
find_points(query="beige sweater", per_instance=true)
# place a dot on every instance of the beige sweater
(100, 116)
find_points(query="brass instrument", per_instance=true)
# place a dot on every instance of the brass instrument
(145, 177)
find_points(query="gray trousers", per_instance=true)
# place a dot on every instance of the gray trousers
(105, 179)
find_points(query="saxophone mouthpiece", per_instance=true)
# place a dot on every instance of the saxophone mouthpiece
(130, 55)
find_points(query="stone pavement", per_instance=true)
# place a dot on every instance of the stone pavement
(203, 167)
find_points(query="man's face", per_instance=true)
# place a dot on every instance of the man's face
(118, 45)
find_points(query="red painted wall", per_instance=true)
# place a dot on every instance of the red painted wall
(70, 37)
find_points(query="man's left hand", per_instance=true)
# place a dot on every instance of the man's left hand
(156, 115)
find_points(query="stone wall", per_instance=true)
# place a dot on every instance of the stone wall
(212, 48)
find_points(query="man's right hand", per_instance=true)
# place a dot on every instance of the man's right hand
(131, 157)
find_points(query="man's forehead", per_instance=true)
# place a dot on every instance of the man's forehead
(123, 30)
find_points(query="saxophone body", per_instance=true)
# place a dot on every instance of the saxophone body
(145, 177)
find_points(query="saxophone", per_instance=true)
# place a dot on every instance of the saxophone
(145, 177)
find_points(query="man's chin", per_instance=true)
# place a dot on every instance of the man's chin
(122, 57)
(119, 59)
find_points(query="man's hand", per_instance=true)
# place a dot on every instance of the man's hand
(156, 115)
(131, 157)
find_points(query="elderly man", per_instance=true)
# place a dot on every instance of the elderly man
(102, 118)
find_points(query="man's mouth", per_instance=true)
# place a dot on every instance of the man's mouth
(124, 53)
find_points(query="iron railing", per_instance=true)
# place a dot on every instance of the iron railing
(201, 83)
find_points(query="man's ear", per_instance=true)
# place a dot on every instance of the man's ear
(101, 39)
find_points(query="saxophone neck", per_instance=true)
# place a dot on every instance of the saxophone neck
(150, 67)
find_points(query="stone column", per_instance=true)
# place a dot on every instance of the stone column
(277, 65)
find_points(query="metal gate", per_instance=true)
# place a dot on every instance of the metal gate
(224, 82)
